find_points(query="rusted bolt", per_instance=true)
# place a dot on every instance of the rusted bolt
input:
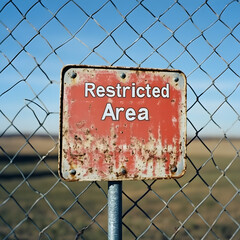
(123, 75)
(73, 75)
(73, 172)
(173, 169)
(176, 79)
(123, 170)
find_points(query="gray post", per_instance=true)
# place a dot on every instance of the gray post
(115, 210)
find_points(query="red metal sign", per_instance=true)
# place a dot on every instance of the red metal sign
(122, 123)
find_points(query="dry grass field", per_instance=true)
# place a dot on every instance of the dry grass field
(38, 205)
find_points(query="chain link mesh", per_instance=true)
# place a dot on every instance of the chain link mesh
(37, 38)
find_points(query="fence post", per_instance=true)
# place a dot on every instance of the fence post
(115, 210)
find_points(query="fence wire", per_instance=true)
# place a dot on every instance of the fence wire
(37, 38)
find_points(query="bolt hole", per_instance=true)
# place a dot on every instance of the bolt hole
(173, 169)
(123, 75)
(73, 75)
(73, 172)
(123, 170)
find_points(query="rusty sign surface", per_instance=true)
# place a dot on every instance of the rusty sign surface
(122, 123)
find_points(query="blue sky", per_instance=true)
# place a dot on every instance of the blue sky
(38, 38)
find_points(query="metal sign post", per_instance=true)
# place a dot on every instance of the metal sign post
(115, 210)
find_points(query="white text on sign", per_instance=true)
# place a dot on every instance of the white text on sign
(120, 91)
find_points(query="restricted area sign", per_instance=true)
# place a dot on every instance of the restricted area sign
(122, 123)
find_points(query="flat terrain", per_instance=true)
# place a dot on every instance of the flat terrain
(36, 204)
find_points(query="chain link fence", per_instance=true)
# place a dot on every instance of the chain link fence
(37, 38)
